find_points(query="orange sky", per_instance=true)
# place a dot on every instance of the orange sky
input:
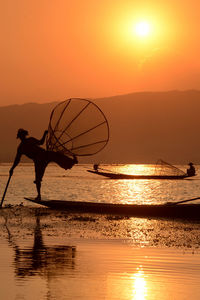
(52, 50)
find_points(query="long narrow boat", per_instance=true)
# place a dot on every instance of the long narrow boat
(168, 211)
(127, 176)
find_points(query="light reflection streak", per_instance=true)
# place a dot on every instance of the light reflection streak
(139, 191)
(134, 169)
(139, 286)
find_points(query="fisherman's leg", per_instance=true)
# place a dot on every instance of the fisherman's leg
(38, 187)
(39, 173)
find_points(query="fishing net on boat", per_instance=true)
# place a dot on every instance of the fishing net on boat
(77, 127)
(164, 168)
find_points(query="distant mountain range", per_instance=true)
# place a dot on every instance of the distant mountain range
(143, 127)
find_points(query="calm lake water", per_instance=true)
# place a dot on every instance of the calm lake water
(78, 184)
(47, 254)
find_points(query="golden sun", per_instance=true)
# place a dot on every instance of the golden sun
(142, 29)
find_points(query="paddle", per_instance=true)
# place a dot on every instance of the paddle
(182, 201)
(5, 191)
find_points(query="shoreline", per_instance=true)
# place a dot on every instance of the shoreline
(22, 221)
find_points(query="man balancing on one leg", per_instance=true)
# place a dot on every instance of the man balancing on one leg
(29, 146)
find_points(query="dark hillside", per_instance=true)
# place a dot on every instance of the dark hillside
(143, 127)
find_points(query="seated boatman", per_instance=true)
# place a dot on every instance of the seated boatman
(191, 170)
(96, 167)
(29, 146)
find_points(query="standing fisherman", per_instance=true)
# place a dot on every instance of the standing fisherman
(29, 146)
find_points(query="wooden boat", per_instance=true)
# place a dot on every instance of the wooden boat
(127, 176)
(167, 211)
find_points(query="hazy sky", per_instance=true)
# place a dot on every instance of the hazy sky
(55, 49)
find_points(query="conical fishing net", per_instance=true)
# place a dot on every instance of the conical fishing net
(77, 126)
(164, 168)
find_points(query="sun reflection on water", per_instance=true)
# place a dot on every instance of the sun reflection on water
(139, 285)
(137, 191)
(134, 169)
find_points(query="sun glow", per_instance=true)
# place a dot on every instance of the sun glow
(142, 29)
(139, 286)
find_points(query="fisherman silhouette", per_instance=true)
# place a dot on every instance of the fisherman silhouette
(191, 170)
(96, 167)
(30, 147)
(40, 259)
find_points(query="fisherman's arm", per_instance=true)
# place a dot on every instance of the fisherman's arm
(16, 161)
(41, 142)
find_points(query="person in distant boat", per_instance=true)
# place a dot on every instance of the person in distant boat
(191, 170)
(96, 167)
(30, 147)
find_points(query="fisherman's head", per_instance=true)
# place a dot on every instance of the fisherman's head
(190, 164)
(22, 133)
